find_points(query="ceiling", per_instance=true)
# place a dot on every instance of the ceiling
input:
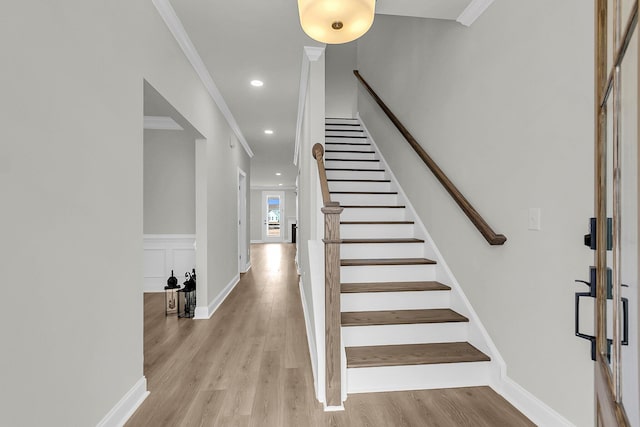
(242, 40)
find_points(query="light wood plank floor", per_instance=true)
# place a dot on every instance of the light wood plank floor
(249, 366)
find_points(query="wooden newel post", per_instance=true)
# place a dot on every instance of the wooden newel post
(332, 320)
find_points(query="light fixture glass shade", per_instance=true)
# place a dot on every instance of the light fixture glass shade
(336, 21)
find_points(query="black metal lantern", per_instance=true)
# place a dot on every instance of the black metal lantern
(187, 296)
(171, 295)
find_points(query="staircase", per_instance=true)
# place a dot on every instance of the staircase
(403, 326)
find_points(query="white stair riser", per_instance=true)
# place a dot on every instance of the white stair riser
(355, 132)
(359, 186)
(352, 164)
(355, 174)
(413, 300)
(349, 156)
(418, 377)
(367, 231)
(366, 199)
(346, 123)
(357, 336)
(348, 147)
(373, 214)
(342, 139)
(387, 273)
(382, 250)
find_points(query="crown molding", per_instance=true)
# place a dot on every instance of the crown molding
(473, 12)
(161, 123)
(170, 18)
(309, 54)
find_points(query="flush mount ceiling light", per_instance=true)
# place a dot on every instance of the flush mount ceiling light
(336, 21)
(257, 83)
(268, 131)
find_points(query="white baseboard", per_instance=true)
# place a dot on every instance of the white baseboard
(310, 342)
(247, 267)
(533, 408)
(119, 414)
(256, 241)
(202, 313)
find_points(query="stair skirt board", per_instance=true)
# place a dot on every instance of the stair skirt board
(418, 377)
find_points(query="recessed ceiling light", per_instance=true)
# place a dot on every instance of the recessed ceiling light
(257, 83)
(278, 174)
(279, 185)
(268, 131)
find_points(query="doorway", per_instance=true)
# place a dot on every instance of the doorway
(243, 257)
(273, 216)
(616, 211)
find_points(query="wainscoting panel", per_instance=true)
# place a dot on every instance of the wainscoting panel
(166, 252)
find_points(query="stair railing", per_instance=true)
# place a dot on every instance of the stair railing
(467, 208)
(331, 211)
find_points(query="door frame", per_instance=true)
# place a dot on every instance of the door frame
(610, 411)
(265, 211)
(243, 254)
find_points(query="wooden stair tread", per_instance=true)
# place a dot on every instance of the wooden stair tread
(345, 136)
(374, 206)
(348, 288)
(342, 130)
(347, 143)
(349, 151)
(392, 240)
(363, 192)
(352, 160)
(376, 222)
(401, 317)
(413, 354)
(354, 170)
(385, 261)
(359, 180)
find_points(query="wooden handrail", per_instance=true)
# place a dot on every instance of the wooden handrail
(332, 320)
(467, 208)
(318, 154)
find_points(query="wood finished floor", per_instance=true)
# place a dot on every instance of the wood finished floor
(249, 366)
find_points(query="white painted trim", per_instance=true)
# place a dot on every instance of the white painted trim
(536, 410)
(247, 267)
(203, 313)
(243, 230)
(310, 53)
(473, 12)
(310, 343)
(333, 408)
(122, 411)
(160, 123)
(170, 18)
(256, 241)
(532, 407)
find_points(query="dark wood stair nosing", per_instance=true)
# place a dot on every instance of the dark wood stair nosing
(354, 170)
(381, 287)
(380, 241)
(358, 180)
(365, 192)
(373, 206)
(366, 262)
(377, 222)
(414, 354)
(401, 317)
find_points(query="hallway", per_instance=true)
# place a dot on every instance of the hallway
(249, 366)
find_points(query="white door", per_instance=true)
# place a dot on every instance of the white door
(243, 257)
(273, 216)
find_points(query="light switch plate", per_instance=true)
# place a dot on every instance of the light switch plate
(534, 219)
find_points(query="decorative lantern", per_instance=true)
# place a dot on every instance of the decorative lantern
(170, 295)
(187, 296)
(336, 21)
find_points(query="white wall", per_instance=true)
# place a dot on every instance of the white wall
(341, 88)
(506, 109)
(71, 180)
(169, 182)
(256, 218)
